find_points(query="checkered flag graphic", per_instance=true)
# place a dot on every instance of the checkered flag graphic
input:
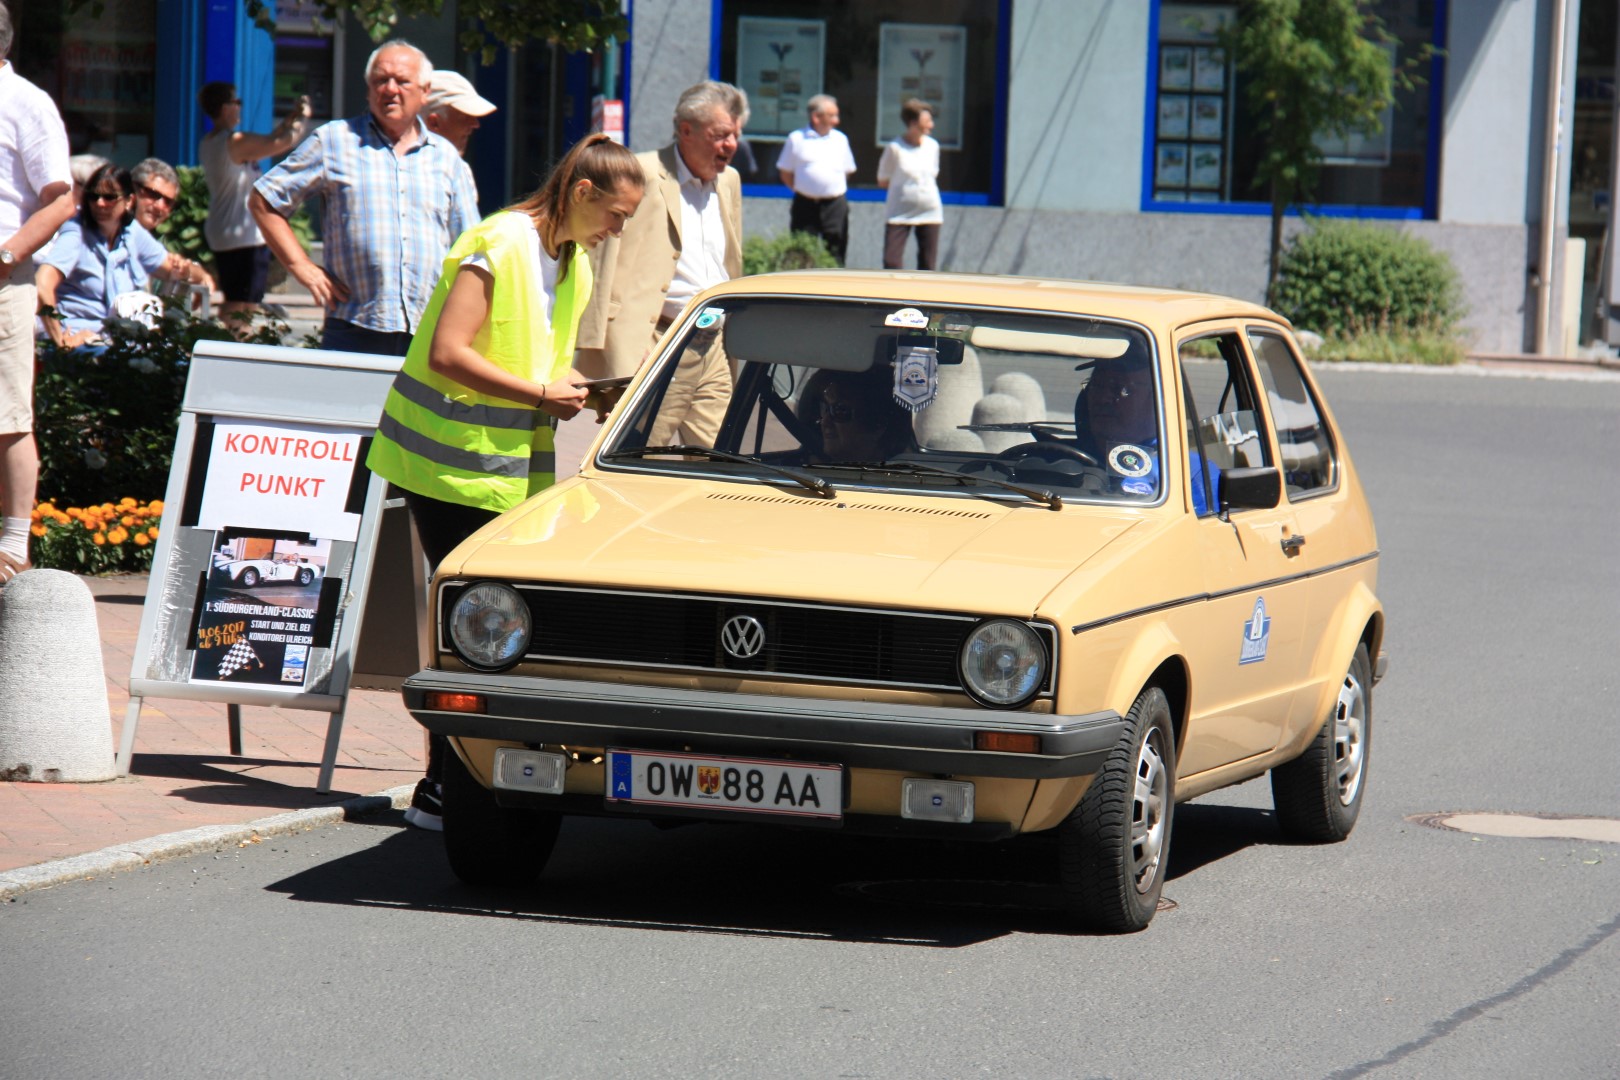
(238, 656)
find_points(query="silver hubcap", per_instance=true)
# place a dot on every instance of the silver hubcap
(1147, 813)
(1349, 738)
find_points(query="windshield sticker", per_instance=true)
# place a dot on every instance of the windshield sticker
(916, 376)
(907, 317)
(1128, 460)
(708, 317)
(1256, 632)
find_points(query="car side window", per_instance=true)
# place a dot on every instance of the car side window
(1309, 464)
(1224, 428)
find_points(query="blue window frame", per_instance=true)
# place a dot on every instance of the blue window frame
(1196, 159)
(968, 176)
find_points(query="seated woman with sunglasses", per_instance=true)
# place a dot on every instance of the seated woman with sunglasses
(97, 256)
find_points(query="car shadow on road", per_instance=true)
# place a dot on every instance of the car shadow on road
(757, 882)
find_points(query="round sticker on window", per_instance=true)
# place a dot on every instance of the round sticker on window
(708, 317)
(1128, 460)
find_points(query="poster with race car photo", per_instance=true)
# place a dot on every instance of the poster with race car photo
(260, 608)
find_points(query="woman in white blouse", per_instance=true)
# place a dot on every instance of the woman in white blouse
(910, 171)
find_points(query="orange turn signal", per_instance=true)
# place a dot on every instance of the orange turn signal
(444, 702)
(1010, 742)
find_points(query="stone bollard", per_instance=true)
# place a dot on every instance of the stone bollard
(54, 723)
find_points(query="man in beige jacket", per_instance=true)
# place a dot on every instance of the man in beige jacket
(685, 237)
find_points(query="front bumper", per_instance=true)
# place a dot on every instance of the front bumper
(858, 734)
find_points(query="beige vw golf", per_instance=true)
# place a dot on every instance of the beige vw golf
(932, 555)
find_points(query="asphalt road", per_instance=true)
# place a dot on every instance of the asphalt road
(705, 951)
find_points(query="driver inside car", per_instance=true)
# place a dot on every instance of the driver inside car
(854, 416)
(1115, 422)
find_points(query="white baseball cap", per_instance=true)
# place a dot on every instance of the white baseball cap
(452, 88)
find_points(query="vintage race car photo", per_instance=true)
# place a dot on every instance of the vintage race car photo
(249, 573)
(933, 555)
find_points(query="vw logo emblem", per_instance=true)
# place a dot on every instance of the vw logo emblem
(742, 636)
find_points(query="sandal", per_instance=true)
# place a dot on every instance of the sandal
(10, 567)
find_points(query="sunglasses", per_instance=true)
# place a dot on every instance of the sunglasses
(156, 196)
(839, 412)
(103, 196)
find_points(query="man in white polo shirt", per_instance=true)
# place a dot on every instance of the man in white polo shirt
(816, 163)
(36, 197)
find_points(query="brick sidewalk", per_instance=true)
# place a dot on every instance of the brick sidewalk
(183, 775)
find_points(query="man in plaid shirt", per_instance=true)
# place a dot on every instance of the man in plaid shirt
(397, 196)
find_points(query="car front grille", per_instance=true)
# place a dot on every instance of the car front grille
(801, 641)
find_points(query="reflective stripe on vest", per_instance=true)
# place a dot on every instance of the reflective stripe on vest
(444, 440)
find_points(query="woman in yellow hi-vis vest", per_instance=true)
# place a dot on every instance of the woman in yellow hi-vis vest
(466, 432)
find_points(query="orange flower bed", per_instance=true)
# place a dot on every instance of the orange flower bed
(112, 538)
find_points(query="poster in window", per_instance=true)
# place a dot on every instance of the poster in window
(927, 62)
(1359, 147)
(1164, 195)
(261, 605)
(1207, 110)
(1170, 166)
(1173, 112)
(1209, 69)
(1175, 68)
(780, 64)
(1205, 170)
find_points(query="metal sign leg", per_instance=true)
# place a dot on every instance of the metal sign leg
(334, 729)
(126, 739)
(233, 721)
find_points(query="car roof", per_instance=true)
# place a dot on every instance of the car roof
(1137, 303)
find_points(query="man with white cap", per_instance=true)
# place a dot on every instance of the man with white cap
(454, 108)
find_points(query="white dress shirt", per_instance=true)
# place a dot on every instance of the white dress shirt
(702, 260)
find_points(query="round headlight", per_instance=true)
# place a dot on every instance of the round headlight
(489, 626)
(1003, 663)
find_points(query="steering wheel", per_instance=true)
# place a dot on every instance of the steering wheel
(1020, 451)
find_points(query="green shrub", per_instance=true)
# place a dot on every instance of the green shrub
(1349, 277)
(105, 424)
(1404, 347)
(183, 231)
(785, 251)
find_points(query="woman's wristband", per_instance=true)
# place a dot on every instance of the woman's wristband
(542, 399)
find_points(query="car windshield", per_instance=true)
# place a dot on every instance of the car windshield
(861, 393)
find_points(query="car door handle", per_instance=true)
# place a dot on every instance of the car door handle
(1292, 543)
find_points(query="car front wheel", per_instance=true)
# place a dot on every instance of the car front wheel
(1114, 846)
(489, 844)
(305, 575)
(249, 578)
(1318, 794)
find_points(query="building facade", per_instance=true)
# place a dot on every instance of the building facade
(1090, 139)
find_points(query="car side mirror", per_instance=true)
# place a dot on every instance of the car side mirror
(1250, 489)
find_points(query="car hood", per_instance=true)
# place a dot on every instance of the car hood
(867, 548)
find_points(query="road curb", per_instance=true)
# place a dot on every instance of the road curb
(138, 853)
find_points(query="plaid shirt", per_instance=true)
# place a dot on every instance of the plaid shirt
(389, 219)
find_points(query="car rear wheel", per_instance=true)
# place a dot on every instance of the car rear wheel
(489, 844)
(1318, 794)
(249, 578)
(1114, 846)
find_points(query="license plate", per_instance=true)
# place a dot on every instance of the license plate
(711, 782)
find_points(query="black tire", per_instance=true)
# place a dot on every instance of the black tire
(489, 844)
(305, 575)
(1114, 847)
(249, 578)
(1318, 794)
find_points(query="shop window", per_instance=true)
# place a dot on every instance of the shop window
(1204, 142)
(99, 64)
(872, 57)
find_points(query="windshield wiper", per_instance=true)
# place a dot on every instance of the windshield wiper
(1046, 498)
(804, 479)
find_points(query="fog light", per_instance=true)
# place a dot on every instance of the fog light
(529, 770)
(936, 800)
